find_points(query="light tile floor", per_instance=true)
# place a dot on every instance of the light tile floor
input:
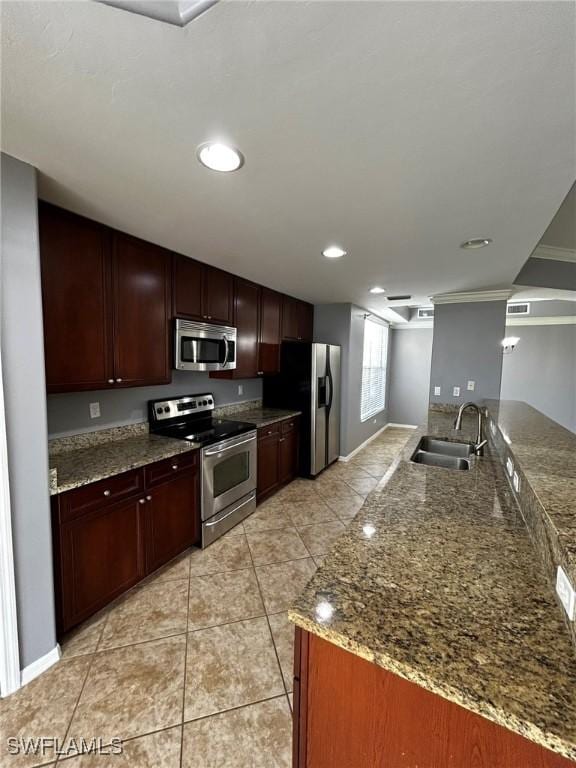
(193, 667)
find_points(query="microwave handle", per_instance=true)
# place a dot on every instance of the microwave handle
(225, 361)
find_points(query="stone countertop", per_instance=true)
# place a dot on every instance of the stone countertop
(436, 580)
(263, 417)
(87, 464)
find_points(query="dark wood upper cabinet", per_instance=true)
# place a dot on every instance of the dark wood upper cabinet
(188, 287)
(270, 331)
(202, 292)
(297, 319)
(141, 291)
(218, 295)
(76, 299)
(246, 320)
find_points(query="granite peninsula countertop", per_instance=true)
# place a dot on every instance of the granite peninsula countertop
(263, 417)
(88, 463)
(436, 580)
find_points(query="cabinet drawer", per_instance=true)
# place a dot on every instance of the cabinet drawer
(271, 429)
(165, 470)
(116, 488)
(289, 425)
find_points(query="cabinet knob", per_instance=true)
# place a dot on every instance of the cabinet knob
(281, 439)
(209, 317)
(106, 493)
(118, 381)
(110, 381)
(174, 466)
(260, 373)
(148, 498)
(142, 501)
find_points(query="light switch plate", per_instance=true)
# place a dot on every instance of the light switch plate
(566, 593)
(240, 389)
(456, 391)
(471, 386)
(94, 410)
(516, 482)
(437, 391)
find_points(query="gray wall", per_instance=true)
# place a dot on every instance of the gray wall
(547, 273)
(542, 371)
(343, 324)
(466, 346)
(24, 393)
(411, 353)
(69, 413)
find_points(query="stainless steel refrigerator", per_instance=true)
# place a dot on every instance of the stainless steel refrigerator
(309, 381)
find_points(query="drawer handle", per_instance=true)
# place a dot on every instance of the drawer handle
(110, 381)
(107, 493)
(174, 466)
(141, 501)
(118, 381)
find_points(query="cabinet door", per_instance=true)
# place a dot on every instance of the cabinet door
(268, 465)
(305, 321)
(218, 294)
(290, 318)
(172, 518)
(188, 276)
(75, 261)
(246, 317)
(270, 331)
(141, 289)
(288, 447)
(101, 556)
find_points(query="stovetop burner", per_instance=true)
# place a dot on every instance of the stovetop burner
(190, 418)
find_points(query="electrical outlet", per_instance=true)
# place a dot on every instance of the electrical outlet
(509, 466)
(94, 410)
(471, 386)
(566, 593)
(240, 389)
(437, 391)
(516, 482)
(456, 391)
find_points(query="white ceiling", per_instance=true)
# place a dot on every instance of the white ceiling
(397, 129)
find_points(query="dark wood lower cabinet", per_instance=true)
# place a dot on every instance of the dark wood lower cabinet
(110, 534)
(277, 456)
(350, 713)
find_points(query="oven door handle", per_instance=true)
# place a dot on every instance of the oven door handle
(246, 501)
(225, 361)
(230, 447)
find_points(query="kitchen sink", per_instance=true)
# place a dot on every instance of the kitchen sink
(440, 460)
(445, 447)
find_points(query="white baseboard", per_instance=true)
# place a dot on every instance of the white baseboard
(363, 445)
(40, 665)
(401, 426)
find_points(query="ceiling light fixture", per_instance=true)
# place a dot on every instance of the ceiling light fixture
(220, 157)
(475, 242)
(509, 344)
(377, 289)
(333, 252)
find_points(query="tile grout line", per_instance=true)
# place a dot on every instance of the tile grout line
(185, 660)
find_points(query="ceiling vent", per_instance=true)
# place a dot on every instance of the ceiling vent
(168, 11)
(399, 298)
(518, 309)
(425, 313)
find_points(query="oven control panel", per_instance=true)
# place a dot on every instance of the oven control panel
(161, 410)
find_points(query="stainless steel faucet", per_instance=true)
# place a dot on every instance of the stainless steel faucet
(480, 442)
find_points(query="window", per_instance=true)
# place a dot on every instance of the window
(373, 398)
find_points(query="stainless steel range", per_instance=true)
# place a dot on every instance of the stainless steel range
(228, 452)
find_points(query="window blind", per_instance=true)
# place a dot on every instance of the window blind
(374, 359)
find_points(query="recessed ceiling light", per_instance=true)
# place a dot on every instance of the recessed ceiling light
(220, 157)
(377, 289)
(333, 252)
(476, 242)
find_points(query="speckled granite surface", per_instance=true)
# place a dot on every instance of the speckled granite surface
(263, 417)
(75, 468)
(225, 411)
(97, 437)
(436, 580)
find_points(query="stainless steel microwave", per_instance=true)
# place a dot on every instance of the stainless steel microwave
(204, 347)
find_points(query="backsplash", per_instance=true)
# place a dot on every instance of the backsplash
(69, 414)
